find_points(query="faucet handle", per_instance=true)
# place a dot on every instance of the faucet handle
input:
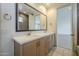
(29, 33)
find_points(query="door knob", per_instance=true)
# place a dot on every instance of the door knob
(72, 34)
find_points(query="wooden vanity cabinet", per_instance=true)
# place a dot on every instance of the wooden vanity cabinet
(44, 46)
(29, 49)
(47, 45)
(17, 50)
(52, 43)
(39, 47)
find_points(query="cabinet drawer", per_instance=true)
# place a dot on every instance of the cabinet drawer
(29, 49)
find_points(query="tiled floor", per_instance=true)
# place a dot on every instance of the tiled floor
(61, 52)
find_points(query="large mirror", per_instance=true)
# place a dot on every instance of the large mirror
(29, 19)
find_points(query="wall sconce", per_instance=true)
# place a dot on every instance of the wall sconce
(7, 16)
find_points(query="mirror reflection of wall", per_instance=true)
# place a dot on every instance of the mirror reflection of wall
(34, 22)
(43, 21)
(31, 21)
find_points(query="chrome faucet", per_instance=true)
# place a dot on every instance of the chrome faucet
(29, 33)
(45, 31)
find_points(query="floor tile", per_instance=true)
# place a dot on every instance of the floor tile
(61, 52)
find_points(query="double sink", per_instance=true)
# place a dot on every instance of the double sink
(27, 38)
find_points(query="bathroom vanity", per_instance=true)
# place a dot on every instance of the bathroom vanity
(34, 45)
(29, 18)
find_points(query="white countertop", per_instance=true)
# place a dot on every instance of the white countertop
(27, 38)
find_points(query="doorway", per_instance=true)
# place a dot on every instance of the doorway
(64, 27)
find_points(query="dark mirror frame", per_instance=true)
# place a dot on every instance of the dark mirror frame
(17, 18)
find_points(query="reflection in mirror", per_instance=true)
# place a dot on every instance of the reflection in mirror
(22, 21)
(37, 22)
(29, 18)
(34, 22)
(43, 21)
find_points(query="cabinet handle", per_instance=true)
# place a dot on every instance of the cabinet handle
(38, 44)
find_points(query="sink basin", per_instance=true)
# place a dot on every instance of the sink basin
(27, 38)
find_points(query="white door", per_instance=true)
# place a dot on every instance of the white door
(64, 27)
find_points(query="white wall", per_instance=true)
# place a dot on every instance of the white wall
(7, 29)
(51, 19)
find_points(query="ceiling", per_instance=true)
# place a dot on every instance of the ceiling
(52, 5)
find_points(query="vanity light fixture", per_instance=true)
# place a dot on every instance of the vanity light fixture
(47, 3)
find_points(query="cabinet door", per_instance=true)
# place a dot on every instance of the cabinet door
(42, 47)
(53, 41)
(47, 43)
(54, 38)
(17, 49)
(38, 47)
(50, 43)
(29, 49)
